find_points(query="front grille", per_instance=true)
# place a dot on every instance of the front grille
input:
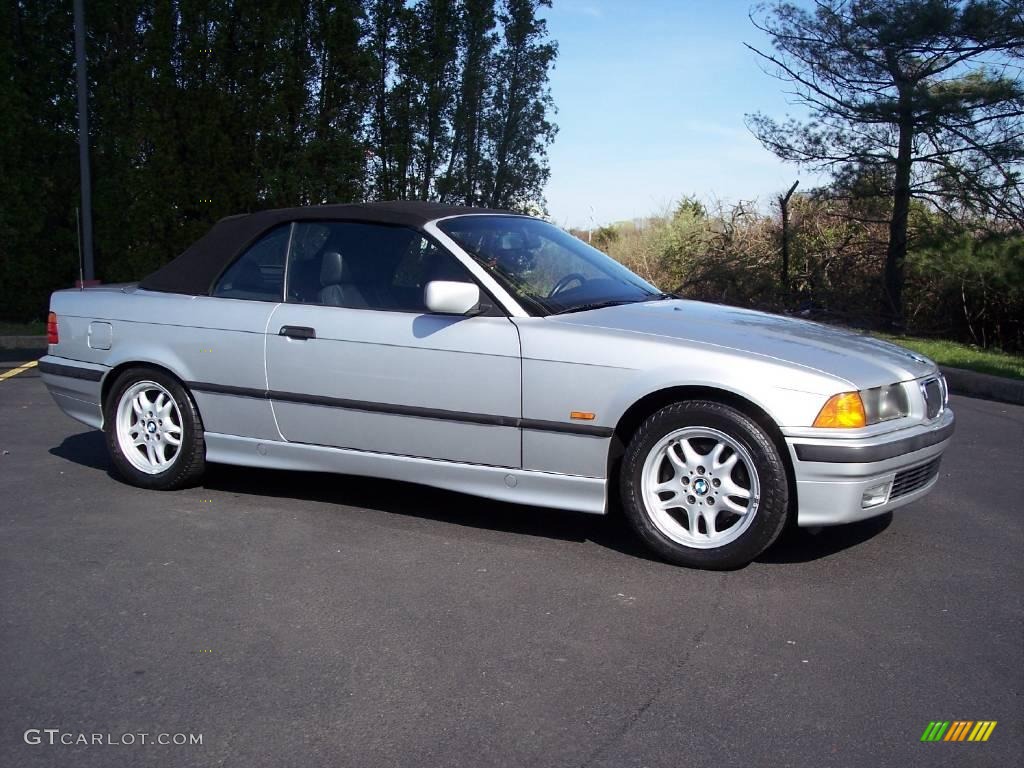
(914, 479)
(933, 398)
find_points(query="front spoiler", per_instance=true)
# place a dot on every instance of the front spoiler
(833, 475)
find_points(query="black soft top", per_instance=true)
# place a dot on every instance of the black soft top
(196, 269)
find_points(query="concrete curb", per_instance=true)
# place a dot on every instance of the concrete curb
(984, 385)
(961, 382)
(23, 342)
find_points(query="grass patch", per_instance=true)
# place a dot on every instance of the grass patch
(34, 328)
(957, 355)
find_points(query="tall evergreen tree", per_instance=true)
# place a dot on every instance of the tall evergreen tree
(436, 41)
(384, 21)
(516, 124)
(477, 40)
(38, 155)
(201, 110)
(926, 95)
(336, 166)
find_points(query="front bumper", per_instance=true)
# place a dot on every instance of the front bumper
(842, 481)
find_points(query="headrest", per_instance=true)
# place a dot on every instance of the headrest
(333, 269)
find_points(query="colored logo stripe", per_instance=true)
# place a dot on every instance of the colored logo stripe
(958, 730)
(935, 730)
(982, 730)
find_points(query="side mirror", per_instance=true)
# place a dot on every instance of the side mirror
(446, 297)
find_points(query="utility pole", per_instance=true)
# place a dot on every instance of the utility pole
(784, 205)
(88, 273)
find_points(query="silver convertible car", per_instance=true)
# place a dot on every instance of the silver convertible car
(494, 354)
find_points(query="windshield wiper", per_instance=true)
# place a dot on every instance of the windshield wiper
(596, 305)
(615, 303)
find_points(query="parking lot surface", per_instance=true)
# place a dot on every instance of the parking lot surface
(296, 619)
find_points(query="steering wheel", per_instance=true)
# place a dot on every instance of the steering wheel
(565, 282)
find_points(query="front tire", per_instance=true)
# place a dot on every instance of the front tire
(154, 431)
(704, 486)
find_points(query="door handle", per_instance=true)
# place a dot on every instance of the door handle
(297, 332)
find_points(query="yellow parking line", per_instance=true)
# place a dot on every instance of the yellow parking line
(19, 369)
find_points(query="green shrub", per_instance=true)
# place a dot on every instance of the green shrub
(965, 281)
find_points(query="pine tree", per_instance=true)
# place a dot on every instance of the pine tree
(461, 181)
(925, 95)
(516, 124)
(201, 110)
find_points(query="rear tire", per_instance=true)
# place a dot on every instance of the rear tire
(704, 486)
(154, 431)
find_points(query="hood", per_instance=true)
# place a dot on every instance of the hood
(860, 360)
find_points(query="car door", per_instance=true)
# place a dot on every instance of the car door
(219, 339)
(354, 360)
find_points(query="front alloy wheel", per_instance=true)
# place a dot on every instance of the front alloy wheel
(700, 487)
(703, 485)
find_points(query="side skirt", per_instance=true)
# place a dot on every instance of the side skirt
(519, 486)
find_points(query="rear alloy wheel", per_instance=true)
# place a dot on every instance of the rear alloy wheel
(154, 432)
(704, 486)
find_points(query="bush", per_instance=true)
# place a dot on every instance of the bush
(965, 281)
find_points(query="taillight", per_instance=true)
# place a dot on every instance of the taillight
(51, 329)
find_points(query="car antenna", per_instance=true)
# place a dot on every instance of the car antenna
(81, 264)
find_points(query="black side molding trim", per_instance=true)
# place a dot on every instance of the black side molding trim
(392, 408)
(540, 425)
(71, 371)
(226, 389)
(419, 412)
(865, 454)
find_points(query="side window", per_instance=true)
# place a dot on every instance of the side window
(308, 241)
(365, 266)
(258, 274)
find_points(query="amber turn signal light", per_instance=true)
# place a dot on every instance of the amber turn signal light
(845, 410)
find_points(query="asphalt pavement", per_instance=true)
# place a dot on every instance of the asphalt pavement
(295, 619)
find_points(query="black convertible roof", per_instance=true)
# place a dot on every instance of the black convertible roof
(195, 270)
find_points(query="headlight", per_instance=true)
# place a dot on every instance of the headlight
(885, 403)
(850, 410)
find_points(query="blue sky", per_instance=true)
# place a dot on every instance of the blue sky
(651, 96)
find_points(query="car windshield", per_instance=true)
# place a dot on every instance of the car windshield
(548, 270)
